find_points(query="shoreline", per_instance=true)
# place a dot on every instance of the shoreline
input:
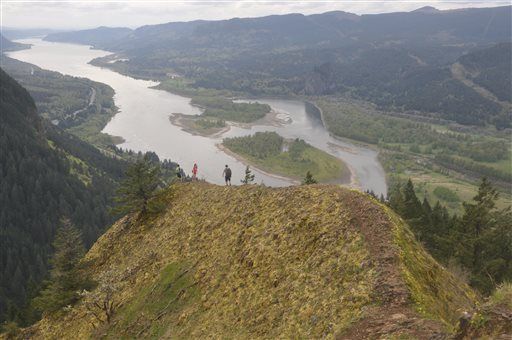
(177, 119)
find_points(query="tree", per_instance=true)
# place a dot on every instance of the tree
(139, 187)
(309, 179)
(249, 176)
(484, 239)
(66, 276)
(412, 206)
(103, 301)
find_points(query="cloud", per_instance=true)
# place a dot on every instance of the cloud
(76, 14)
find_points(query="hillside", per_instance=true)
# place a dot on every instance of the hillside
(95, 37)
(255, 262)
(7, 45)
(79, 105)
(45, 174)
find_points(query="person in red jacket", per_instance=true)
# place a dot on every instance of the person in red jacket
(194, 172)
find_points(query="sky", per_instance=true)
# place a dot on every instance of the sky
(70, 15)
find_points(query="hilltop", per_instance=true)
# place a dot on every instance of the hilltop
(257, 262)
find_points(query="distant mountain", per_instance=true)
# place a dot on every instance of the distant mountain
(24, 33)
(96, 37)
(426, 9)
(45, 174)
(400, 61)
(7, 45)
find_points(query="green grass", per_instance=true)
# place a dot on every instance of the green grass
(150, 308)
(504, 165)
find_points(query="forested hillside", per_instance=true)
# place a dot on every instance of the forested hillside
(79, 105)
(45, 175)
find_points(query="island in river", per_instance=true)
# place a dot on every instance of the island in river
(292, 158)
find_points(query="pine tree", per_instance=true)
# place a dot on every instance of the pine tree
(480, 248)
(396, 199)
(249, 176)
(66, 277)
(412, 206)
(139, 187)
(309, 179)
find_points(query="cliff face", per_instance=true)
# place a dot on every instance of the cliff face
(257, 262)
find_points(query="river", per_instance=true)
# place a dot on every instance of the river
(143, 121)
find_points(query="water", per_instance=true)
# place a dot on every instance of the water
(143, 121)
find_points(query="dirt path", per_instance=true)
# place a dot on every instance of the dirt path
(393, 313)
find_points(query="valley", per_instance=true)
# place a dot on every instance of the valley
(143, 122)
(369, 188)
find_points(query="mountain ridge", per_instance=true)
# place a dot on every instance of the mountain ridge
(251, 261)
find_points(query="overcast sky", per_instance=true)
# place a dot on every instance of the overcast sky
(88, 14)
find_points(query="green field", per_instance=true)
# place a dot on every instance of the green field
(266, 151)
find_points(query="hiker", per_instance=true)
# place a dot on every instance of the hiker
(179, 173)
(227, 175)
(194, 172)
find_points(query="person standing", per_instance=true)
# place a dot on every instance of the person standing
(227, 175)
(194, 172)
(178, 173)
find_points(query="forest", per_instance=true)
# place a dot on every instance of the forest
(53, 173)
(472, 152)
(476, 246)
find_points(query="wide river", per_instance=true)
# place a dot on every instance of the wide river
(143, 121)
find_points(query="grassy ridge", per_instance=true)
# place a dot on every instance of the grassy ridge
(252, 262)
(270, 152)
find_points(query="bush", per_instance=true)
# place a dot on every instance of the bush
(446, 194)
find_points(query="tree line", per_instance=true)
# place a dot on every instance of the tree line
(477, 244)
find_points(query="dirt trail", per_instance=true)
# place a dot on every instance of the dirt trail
(394, 313)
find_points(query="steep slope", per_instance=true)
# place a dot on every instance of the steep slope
(45, 174)
(255, 262)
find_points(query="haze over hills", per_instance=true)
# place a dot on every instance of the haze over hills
(395, 60)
